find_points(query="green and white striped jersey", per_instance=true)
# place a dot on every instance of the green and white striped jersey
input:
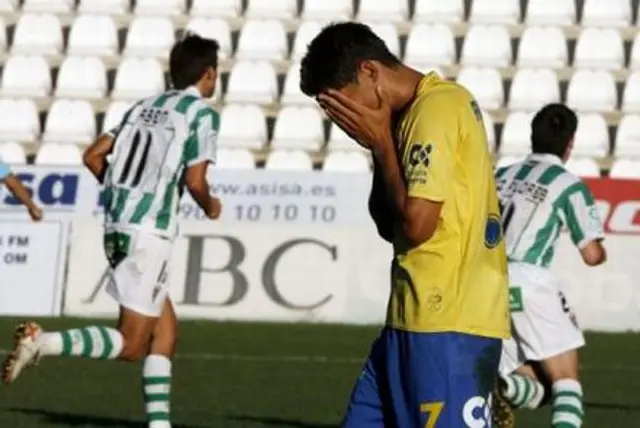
(538, 197)
(157, 139)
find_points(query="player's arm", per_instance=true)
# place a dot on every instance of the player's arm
(378, 207)
(584, 224)
(417, 189)
(200, 151)
(95, 156)
(17, 189)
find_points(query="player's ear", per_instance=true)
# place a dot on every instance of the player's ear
(369, 70)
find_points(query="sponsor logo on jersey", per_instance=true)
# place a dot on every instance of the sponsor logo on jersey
(492, 231)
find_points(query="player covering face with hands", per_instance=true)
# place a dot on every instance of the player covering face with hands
(163, 144)
(434, 198)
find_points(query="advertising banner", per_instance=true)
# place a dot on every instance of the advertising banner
(251, 272)
(32, 263)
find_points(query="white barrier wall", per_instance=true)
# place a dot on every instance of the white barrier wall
(290, 246)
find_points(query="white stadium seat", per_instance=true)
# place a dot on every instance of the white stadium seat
(555, 52)
(115, 113)
(631, 94)
(289, 160)
(12, 153)
(340, 141)
(113, 7)
(441, 49)
(495, 12)
(93, 35)
(252, 82)
(389, 34)
(43, 6)
(234, 159)
(485, 84)
(533, 88)
(8, 6)
(592, 91)
(583, 167)
(298, 128)
(262, 40)
(599, 49)
(3, 35)
(243, 126)
(551, 12)
(509, 160)
(516, 134)
(160, 7)
(488, 46)
(429, 11)
(346, 162)
(292, 95)
(490, 129)
(19, 120)
(217, 9)
(279, 9)
(59, 129)
(58, 154)
(306, 32)
(138, 78)
(592, 136)
(634, 63)
(217, 29)
(82, 77)
(387, 10)
(625, 168)
(324, 10)
(38, 34)
(628, 137)
(150, 36)
(609, 13)
(26, 76)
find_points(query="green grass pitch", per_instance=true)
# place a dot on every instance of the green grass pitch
(235, 375)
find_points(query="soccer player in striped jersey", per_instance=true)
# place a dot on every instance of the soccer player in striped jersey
(538, 198)
(17, 189)
(162, 144)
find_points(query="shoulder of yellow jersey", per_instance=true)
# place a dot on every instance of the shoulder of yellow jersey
(440, 95)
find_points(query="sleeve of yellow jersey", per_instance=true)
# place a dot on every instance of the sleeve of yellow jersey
(429, 156)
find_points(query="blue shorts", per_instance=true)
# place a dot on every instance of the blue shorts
(432, 380)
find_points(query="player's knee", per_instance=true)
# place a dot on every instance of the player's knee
(134, 350)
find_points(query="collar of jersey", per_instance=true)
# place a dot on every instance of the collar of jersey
(192, 90)
(546, 157)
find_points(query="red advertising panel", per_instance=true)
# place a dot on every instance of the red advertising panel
(619, 204)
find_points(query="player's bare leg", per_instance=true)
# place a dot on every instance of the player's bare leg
(156, 372)
(567, 409)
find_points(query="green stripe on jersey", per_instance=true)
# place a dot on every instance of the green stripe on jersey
(142, 208)
(184, 103)
(121, 199)
(161, 99)
(550, 174)
(524, 170)
(164, 215)
(500, 171)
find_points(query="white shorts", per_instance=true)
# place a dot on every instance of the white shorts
(542, 323)
(139, 279)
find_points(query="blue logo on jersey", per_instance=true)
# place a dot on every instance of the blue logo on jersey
(492, 231)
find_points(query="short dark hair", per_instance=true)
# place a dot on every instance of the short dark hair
(552, 129)
(334, 55)
(190, 58)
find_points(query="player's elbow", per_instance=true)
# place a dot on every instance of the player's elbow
(594, 253)
(417, 234)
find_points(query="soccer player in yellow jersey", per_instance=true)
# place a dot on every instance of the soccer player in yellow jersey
(434, 197)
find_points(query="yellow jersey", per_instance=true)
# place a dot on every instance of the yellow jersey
(457, 280)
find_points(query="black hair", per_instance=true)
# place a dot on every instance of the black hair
(334, 55)
(190, 58)
(552, 129)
